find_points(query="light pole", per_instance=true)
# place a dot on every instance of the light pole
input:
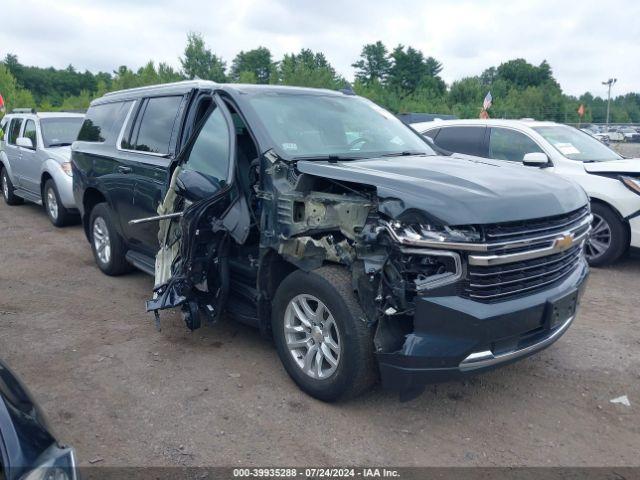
(610, 83)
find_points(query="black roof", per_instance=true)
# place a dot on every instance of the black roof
(180, 88)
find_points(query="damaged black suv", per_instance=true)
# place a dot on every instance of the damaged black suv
(321, 219)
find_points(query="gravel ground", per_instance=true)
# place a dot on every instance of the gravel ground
(124, 394)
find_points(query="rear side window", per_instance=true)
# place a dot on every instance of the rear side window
(154, 131)
(505, 144)
(467, 140)
(3, 127)
(30, 132)
(103, 121)
(432, 133)
(14, 130)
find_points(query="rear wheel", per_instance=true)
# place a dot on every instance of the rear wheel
(322, 335)
(56, 211)
(107, 244)
(609, 237)
(10, 198)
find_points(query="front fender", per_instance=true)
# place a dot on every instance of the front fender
(6, 165)
(64, 183)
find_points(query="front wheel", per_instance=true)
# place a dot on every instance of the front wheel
(609, 237)
(322, 335)
(56, 211)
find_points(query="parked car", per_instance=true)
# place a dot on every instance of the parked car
(35, 161)
(614, 135)
(323, 220)
(28, 449)
(630, 134)
(597, 135)
(612, 182)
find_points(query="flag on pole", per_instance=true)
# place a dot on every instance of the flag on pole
(1, 103)
(487, 101)
(581, 110)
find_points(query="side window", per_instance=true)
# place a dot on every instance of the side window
(209, 154)
(506, 144)
(102, 122)
(431, 133)
(154, 131)
(14, 130)
(467, 140)
(30, 132)
(3, 127)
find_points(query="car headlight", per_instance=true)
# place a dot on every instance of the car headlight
(416, 233)
(66, 167)
(59, 464)
(631, 183)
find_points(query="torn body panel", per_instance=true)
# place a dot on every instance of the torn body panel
(191, 265)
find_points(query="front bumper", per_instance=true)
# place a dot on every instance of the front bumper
(64, 184)
(454, 336)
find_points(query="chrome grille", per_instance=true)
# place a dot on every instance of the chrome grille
(522, 257)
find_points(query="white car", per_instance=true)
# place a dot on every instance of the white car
(611, 181)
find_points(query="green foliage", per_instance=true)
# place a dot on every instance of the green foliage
(374, 64)
(200, 62)
(306, 69)
(401, 80)
(257, 61)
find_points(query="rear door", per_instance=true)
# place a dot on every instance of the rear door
(148, 143)
(469, 140)
(12, 151)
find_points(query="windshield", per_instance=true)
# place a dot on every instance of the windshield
(577, 145)
(59, 132)
(319, 126)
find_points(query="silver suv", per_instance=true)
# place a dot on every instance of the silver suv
(34, 161)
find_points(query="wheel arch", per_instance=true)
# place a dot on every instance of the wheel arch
(272, 270)
(91, 197)
(623, 220)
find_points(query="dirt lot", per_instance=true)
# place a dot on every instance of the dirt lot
(124, 394)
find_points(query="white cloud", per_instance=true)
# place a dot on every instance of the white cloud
(584, 41)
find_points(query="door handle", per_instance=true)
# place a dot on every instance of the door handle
(123, 169)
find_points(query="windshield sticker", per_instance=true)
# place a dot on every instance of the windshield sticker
(566, 148)
(290, 146)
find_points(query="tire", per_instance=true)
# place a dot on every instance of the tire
(356, 370)
(10, 198)
(609, 238)
(109, 256)
(56, 212)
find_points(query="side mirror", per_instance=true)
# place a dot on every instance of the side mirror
(24, 142)
(195, 186)
(535, 159)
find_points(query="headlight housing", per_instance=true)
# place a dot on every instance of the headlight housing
(57, 464)
(66, 168)
(631, 183)
(420, 234)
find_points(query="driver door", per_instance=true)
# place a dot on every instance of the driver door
(191, 268)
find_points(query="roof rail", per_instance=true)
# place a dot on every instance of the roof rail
(24, 110)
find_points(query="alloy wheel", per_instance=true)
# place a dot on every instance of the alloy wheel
(101, 241)
(600, 239)
(312, 336)
(52, 203)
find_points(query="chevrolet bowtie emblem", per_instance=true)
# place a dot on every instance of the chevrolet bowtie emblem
(564, 242)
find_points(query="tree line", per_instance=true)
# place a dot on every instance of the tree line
(401, 79)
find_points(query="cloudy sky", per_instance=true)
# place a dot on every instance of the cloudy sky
(585, 41)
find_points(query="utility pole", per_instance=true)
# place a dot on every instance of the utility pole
(610, 83)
